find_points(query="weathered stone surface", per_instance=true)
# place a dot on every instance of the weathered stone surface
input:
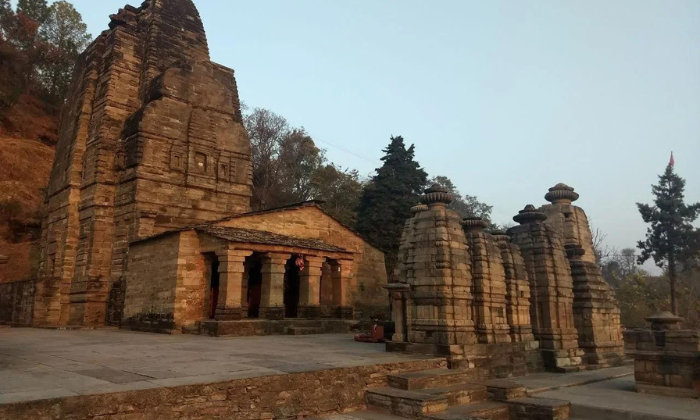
(16, 303)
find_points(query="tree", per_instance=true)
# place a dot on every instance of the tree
(671, 239)
(387, 199)
(285, 160)
(37, 10)
(66, 35)
(299, 159)
(340, 190)
(266, 130)
(464, 206)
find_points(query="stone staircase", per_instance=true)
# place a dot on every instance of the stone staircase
(443, 394)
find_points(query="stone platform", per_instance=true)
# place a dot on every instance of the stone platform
(262, 327)
(37, 364)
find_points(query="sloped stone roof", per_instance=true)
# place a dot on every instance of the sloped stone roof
(266, 238)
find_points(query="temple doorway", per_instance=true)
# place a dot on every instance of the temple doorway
(292, 283)
(254, 265)
(212, 264)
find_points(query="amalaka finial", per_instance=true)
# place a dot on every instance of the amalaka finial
(437, 194)
(474, 224)
(418, 208)
(530, 215)
(500, 236)
(561, 194)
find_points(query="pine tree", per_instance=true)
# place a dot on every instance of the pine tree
(387, 199)
(37, 10)
(671, 239)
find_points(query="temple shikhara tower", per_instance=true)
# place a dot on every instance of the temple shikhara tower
(530, 298)
(151, 148)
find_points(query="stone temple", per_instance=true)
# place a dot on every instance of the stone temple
(148, 219)
(149, 227)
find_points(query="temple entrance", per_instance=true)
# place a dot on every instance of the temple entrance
(253, 294)
(212, 264)
(292, 282)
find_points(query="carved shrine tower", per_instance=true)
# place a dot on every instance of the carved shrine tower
(151, 140)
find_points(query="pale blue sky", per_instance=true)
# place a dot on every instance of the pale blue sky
(506, 98)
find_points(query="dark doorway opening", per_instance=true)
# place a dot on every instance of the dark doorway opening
(214, 281)
(292, 282)
(254, 294)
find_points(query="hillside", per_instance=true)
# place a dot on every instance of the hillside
(25, 165)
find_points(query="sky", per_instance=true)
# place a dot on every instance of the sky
(506, 98)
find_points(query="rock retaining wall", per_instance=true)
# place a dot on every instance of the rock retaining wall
(292, 396)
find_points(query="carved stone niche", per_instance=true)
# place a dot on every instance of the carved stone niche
(202, 163)
(224, 169)
(177, 159)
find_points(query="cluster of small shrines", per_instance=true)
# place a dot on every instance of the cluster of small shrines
(504, 302)
(149, 227)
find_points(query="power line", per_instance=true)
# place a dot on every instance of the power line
(357, 155)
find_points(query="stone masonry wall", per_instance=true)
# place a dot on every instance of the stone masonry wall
(16, 303)
(293, 396)
(311, 222)
(152, 302)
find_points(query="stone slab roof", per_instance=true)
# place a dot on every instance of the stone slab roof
(266, 238)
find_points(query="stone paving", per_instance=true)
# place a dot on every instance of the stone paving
(616, 399)
(38, 364)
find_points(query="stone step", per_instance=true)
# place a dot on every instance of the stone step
(505, 390)
(485, 410)
(433, 378)
(540, 409)
(410, 404)
(304, 330)
(460, 394)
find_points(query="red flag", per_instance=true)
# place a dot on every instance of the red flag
(673, 161)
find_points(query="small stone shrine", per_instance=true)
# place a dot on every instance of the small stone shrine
(666, 358)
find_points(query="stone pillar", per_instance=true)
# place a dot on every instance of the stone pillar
(489, 284)
(310, 288)
(397, 294)
(272, 302)
(231, 269)
(551, 286)
(341, 273)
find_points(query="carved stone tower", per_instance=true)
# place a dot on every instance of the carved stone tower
(517, 289)
(151, 139)
(551, 289)
(489, 283)
(441, 313)
(596, 312)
